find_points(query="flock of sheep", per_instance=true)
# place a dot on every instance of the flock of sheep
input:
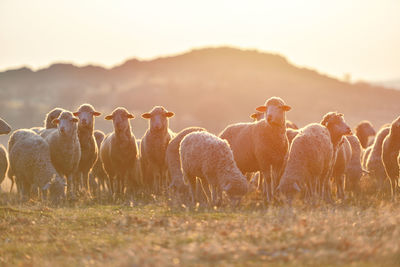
(270, 154)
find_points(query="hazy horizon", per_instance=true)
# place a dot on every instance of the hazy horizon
(359, 38)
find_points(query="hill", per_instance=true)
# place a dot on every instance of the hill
(209, 87)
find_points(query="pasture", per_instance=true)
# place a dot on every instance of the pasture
(158, 232)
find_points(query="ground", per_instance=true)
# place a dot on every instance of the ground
(156, 232)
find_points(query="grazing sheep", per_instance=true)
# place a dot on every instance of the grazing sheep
(173, 160)
(4, 127)
(374, 162)
(3, 163)
(343, 158)
(153, 147)
(262, 145)
(98, 170)
(119, 152)
(363, 131)
(31, 164)
(89, 149)
(208, 157)
(65, 150)
(354, 170)
(312, 156)
(390, 153)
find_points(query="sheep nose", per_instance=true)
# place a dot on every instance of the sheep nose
(84, 121)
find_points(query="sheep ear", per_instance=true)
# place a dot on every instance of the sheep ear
(95, 113)
(108, 117)
(146, 115)
(130, 116)
(286, 107)
(261, 108)
(55, 121)
(169, 114)
(76, 113)
(75, 119)
(253, 116)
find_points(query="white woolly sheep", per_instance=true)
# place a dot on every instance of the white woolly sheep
(364, 130)
(354, 170)
(174, 162)
(153, 147)
(210, 158)
(4, 127)
(390, 153)
(31, 164)
(374, 162)
(65, 150)
(312, 156)
(263, 145)
(98, 170)
(3, 163)
(119, 152)
(89, 149)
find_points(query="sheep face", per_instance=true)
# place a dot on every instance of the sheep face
(120, 118)
(236, 188)
(4, 127)
(335, 123)
(274, 111)
(57, 188)
(256, 116)
(53, 114)
(86, 114)
(158, 118)
(66, 123)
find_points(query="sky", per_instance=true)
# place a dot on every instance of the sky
(357, 37)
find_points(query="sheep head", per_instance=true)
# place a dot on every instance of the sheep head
(274, 111)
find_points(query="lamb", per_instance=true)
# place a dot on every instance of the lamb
(374, 162)
(31, 164)
(354, 170)
(390, 154)
(312, 156)
(48, 121)
(88, 146)
(210, 158)
(119, 152)
(4, 127)
(173, 160)
(98, 170)
(262, 145)
(363, 131)
(153, 147)
(65, 150)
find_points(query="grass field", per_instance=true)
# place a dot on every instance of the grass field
(155, 232)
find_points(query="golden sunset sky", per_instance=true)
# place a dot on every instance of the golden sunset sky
(359, 37)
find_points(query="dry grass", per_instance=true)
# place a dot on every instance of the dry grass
(363, 232)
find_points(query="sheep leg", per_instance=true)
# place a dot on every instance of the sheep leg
(192, 182)
(339, 186)
(267, 183)
(70, 186)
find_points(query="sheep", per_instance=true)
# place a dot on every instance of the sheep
(89, 149)
(153, 147)
(262, 145)
(354, 170)
(65, 150)
(3, 163)
(98, 170)
(210, 158)
(4, 127)
(390, 153)
(119, 152)
(173, 160)
(312, 156)
(363, 131)
(374, 162)
(343, 158)
(48, 121)
(31, 164)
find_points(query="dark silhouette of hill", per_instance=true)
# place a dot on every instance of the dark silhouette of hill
(208, 87)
